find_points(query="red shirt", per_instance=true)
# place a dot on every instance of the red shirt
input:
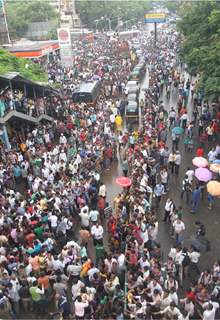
(200, 152)
(133, 258)
(191, 295)
(215, 127)
(109, 153)
(101, 203)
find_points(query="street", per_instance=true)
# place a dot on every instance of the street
(210, 218)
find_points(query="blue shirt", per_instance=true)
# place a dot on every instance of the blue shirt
(93, 215)
(17, 171)
(159, 190)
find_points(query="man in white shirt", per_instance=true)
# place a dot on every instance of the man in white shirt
(210, 310)
(45, 172)
(190, 174)
(97, 233)
(84, 215)
(172, 312)
(179, 227)
(194, 256)
(57, 264)
(112, 119)
(154, 284)
(80, 307)
(53, 222)
(212, 155)
(177, 162)
(102, 190)
(63, 139)
(77, 285)
(172, 116)
(188, 306)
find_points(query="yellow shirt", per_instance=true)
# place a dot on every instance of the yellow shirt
(118, 120)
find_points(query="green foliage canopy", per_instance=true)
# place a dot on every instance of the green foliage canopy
(200, 26)
(172, 6)
(10, 63)
(21, 13)
(131, 11)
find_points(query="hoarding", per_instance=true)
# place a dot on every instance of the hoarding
(64, 38)
(155, 18)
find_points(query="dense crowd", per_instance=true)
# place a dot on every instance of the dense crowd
(62, 250)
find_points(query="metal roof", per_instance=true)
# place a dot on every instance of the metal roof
(9, 75)
(87, 86)
(16, 77)
(34, 46)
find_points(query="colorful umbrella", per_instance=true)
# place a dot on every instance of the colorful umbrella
(203, 174)
(177, 130)
(213, 187)
(215, 167)
(124, 182)
(200, 162)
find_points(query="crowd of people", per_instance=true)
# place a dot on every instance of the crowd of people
(63, 251)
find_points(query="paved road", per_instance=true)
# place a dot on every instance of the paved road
(211, 218)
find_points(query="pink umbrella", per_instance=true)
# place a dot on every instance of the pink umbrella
(200, 162)
(203, 174)
(124, 182)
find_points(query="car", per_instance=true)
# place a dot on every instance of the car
(139, 53)
(132, 87)
(132, 97)
(135, 75)
(131, 110)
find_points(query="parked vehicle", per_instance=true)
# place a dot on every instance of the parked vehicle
(87, 92)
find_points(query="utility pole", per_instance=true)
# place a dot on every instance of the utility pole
(155, 34)
(2, 7)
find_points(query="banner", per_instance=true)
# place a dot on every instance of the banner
(155, 17)
(64, 38)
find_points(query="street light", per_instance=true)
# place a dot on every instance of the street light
(96, 23)
(109, 23)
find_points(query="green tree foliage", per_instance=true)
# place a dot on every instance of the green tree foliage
(131, 11)
(200, 26)
(21, 13)
(172, 6)
(10, 63)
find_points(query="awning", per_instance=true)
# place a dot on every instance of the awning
(34, 50)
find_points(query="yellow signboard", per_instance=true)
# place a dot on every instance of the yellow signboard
(155, 17)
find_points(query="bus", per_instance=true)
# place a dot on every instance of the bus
(138, 72)
(87, 92)
(132, 112)
(128, 35)
(124, 35)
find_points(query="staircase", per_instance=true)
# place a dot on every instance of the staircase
(24, 116)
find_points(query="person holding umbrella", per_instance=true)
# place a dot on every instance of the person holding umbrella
(175, 141)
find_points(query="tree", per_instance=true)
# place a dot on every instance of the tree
(200, 47)
(21, 13)
(131, 11)
(172, 6)
(10, 63)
